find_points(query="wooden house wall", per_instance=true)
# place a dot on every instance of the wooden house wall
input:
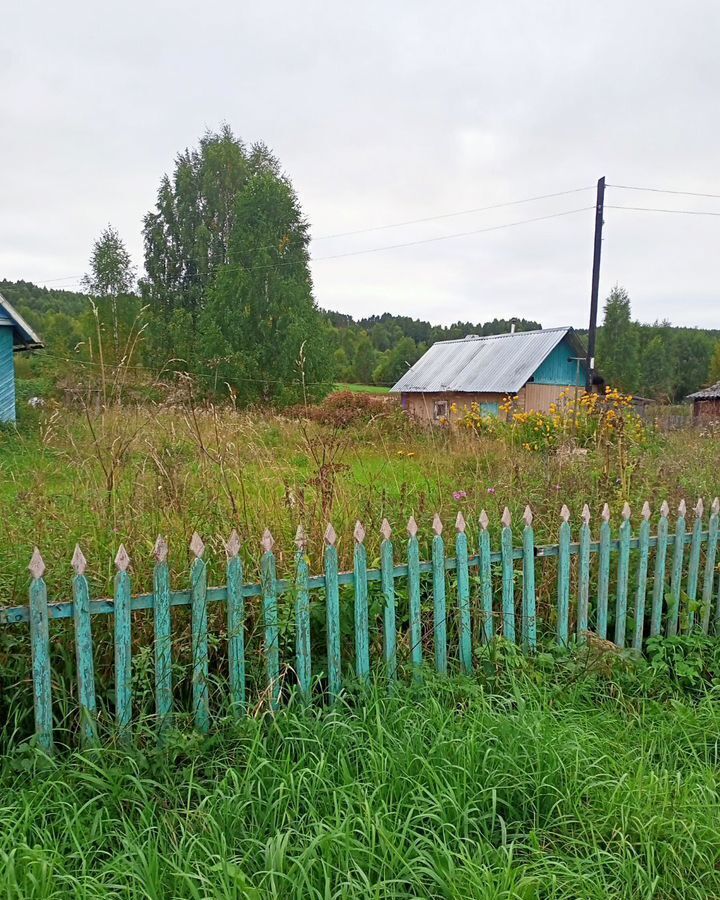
(7, 375)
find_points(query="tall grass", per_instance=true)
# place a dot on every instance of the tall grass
(445, 790)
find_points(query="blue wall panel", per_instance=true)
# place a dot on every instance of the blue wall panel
(559, 368)
(7, 375)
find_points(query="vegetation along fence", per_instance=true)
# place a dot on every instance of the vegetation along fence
(635, 585)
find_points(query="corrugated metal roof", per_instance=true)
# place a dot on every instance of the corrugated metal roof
(23, 335)
(708, 393)
(499, 363)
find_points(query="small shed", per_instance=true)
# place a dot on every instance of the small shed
(706, 403)
(534, 366)
(15, 336)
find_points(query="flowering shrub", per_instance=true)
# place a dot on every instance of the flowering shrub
(590, 421)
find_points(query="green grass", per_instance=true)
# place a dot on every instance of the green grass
(363, 388)
(447, 791)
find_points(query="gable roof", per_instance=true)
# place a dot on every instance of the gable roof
(499, 363)
(708, 393)
(24, 338)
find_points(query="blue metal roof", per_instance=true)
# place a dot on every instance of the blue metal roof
(24, 338)
(498, 364)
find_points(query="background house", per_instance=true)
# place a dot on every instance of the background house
(706, 403)
(537, 366)
(15, 335)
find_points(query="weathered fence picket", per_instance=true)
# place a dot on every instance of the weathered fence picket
(401, 618)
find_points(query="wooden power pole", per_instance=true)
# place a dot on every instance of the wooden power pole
(595, 281)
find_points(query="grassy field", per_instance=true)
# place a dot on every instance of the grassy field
(514, 787)
(363, 388)
(559, 777)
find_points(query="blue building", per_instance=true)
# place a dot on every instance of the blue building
(15, 336)
(534, 367)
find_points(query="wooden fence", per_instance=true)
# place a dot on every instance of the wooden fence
(669, 597)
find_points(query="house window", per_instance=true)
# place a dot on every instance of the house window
(440, 409)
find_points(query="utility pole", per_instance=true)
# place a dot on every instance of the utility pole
(595, 280)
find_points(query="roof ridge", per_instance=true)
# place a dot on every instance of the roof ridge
(505, 334)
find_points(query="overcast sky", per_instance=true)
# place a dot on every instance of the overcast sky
(382, 112)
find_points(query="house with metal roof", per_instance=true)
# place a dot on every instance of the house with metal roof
(706, 403)
(534, 366)
(15, 336)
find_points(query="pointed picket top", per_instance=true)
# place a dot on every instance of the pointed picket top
(300, 539)
(626, 512)
(412, 528)
(646, 512)
(585, 515)
(682, 507)
(196, 545)
(232, 547)
(460, 523)
(122, 560)
(330, 535)
(715, 508)
(484, 521)
(161, 549)
(565, 513)
(605, 513)
(699, 508)
(528, 516)
(37, 566)
(385, 529)
(79, 563)
(437, 525)
(359, 532)
(664, 509)
(268, 541)
(506, 518)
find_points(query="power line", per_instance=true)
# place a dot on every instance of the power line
(628, 187)
(464, 212)
(682, 212)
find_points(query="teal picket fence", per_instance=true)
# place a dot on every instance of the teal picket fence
(642, 584)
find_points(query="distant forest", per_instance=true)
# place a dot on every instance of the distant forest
(660, 360)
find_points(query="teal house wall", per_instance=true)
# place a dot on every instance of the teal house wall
(15, 336)
(560, 368)
(7, 373)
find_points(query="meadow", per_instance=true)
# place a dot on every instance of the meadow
(573, 774)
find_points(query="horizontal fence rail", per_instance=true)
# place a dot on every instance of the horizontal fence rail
(660, 583)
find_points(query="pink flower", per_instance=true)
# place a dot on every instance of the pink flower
(491, 490)
(459, 495)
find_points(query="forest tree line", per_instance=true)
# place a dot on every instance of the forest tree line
(226, 294)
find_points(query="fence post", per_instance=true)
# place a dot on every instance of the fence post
(40, 647)
(622, 577)
(362, 638)
(508, 582)
(463, 591)
(710, 565)
(332, 608)
(388, 588)
(123, 645)
(163, 636)
(603, 573)
(529, 626)
(694, 563)
(659, 576)
(198, 610)
(644, 546)
(235, 624)
(563, 623)
(677, 567)
(439, 599)
(303, 659)
(270, 617)
(84, 650)
(486, 596)
(414, 599)
(584, 577)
